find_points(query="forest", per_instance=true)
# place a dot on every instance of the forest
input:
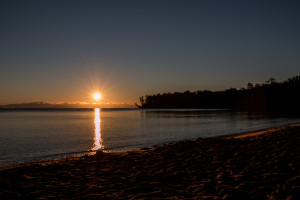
(269, 96)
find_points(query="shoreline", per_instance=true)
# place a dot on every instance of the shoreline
(228, 136)
(257, 132)
(261, 164)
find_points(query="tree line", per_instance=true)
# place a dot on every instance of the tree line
(268, 96)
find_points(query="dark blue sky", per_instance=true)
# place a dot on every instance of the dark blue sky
(62, 51)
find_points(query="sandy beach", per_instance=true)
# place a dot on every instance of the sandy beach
(258, 165)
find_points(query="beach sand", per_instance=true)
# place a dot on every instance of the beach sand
(258, 165)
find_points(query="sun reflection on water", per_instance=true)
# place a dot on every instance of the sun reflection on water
(97, 134)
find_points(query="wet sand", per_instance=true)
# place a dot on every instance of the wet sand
(258, 165)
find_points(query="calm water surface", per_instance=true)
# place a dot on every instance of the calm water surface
(47, 134)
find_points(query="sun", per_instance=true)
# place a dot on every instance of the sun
(97, 96)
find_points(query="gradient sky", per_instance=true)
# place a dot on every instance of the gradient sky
(64, 50)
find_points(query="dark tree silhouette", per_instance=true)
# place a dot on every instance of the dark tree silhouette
(269, 96)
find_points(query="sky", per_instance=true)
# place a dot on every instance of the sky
(62, 51)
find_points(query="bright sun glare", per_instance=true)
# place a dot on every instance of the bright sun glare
(97, 96)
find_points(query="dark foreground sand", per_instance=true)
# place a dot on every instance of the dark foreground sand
(260, 165)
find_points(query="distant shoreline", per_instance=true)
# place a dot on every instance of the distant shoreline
(63, 109)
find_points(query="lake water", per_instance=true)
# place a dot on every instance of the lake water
(29, 135)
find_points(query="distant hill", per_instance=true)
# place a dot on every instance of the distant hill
(269, 96)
